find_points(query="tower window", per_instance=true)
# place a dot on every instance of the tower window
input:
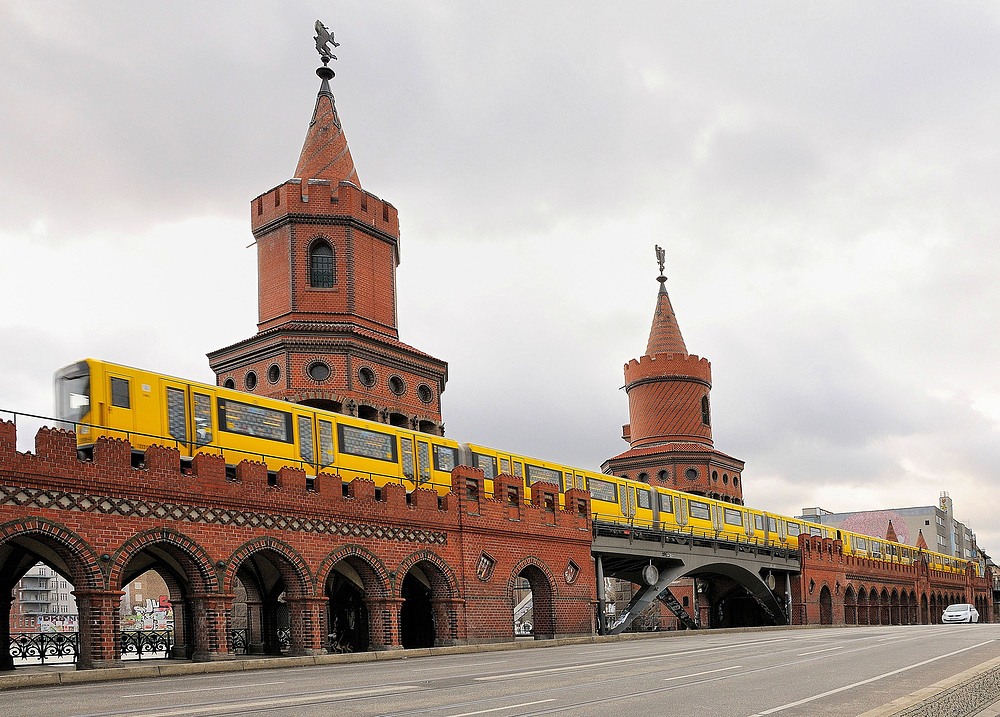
(367, 377)
(706, 415)
(322, 272)
(396, 385)
(250, 381)
(273, 373)
(318, 371)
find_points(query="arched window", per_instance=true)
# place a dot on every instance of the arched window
(322, 271)
(706, 414)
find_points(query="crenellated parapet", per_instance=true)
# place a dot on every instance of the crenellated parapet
(322, 198)
(668, 367)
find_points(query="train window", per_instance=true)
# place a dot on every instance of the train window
(906, 553)
(119, 392)
(666, 503)
(445, 458)
(367, 443)
(860, 544)
(202, 418)
(406, 451)
(518, 470)
(644, 498)
(326, 443)
(538, 474)
(581, 482)
(176, 414)
(424, 461)
(306, 450)
(758, 522)
(733, 517)
(505, 466)
(487, 464)
(876, 548)
(813, 530)
(793, 528)
(257, 421)
(602, 490)
(772, 525)
(697, 509)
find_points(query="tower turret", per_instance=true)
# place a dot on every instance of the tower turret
(327, 253)
(670, 420)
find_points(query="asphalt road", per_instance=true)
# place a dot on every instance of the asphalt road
(810, 672)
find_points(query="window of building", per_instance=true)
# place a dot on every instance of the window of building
(273, 373)
(322, 271)
(318, 371)
(706, 414)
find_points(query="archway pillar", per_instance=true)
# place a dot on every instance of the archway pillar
(100, 628)
(212, 617)
(383, 616)
(306, 623)
(179, 650)
(255, 627)
(447, 619)
(6, 600)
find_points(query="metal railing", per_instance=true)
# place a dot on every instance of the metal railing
(53, 648)
(653, 532)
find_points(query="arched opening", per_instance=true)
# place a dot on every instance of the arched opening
(895, 609)
(324, 404)
(399, 420)
(885, 614)
(863, 608)
(924, 610)
(61, 561)
(148, 622)
(850, 606)
(348, 621)
(430, 427)
(825, 606)
(367, 412)
(532, 587)
(416, 617)
(269, 586)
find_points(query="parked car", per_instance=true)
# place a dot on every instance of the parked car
(961, 612)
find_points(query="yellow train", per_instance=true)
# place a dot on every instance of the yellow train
(98, 399)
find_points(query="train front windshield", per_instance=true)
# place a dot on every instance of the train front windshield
(73, 392)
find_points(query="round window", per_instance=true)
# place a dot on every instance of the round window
(250, 381)
(691, 474)
(318, 371)
(367, 376)
(229, 383)
(273, 373)
(424, 393)
(396, 385)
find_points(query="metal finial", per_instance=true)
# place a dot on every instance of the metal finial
(324, 41)
(661, 258)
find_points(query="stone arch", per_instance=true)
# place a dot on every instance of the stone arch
(429, 599)
(885, 611)
(282, 612)
(356, 585)
(850, 606)
(874, 611)
(864, 612)
(185, 568)
(895, 608)
(544, 591)
(27, 541)
(925, 618)
(825, 605)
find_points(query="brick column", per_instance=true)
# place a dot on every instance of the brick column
(212, 613)
(6, 600)
(447, 620)
(180, 648)
(306, 622)
(100, 628)
(383, 616)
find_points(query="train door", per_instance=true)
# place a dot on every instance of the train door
(188, 416)
(423, 461)
(716, 518)
(748, 526)
(626, 500)
(118, 413)
(307, 441)
(326, 450)
(681, 511)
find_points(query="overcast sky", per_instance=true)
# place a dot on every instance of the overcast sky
(823, 177)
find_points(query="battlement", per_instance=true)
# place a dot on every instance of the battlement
(667, 365)
(320, 197)
(161, 478)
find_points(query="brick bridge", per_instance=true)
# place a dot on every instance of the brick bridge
(382, 569)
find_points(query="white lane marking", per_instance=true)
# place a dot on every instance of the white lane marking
(605, 663)
(876, 678)
(464, 664)
(699, 674)
(291, 701)
(499, 709)
(816, 652)
(204, 689)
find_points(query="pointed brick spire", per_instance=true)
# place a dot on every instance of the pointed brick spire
(890, 533)
(921, 543)
(325, 154)
(665, 335)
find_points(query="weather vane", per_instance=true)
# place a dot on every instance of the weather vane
(661, 258)
(325, 42)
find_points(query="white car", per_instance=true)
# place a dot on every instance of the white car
(962, 612)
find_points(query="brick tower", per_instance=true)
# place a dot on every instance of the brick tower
(670, 429)
(327, 253)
